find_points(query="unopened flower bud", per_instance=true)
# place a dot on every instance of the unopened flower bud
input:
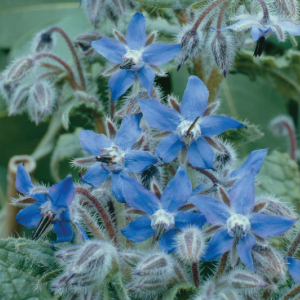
(19, 69)
(94, 11)
(229, 295)
(208, 291)
(190, 244)
(268, 262)
(158, 264)
(43, 42)
(131, 257)
(41, 100)
(191, 45)
(83, 42)
(243, 279)
(18, 100)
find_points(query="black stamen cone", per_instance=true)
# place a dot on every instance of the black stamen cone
(148, 175)
(41, 228)
(104, 158)
(261, 42)
(126, 64)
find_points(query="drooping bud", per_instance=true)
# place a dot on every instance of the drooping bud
(190, 244)
(268, 262)
(18, 101)
(87, 266)
(156, 265)
(222, 48)
(95, 10)
(191, 45)
(41, 100)
(83, 42)
(131, 257)
(43, 42)
(18, 69)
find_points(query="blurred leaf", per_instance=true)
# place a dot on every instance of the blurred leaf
(177, 289)
(33, 258)
(67, 147)
(17, 285)
(167, 3)
(280, 176)
(242, 136)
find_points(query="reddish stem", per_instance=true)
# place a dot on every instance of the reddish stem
(104, 215)
(195, 272)
(206, 173)
(292, 137)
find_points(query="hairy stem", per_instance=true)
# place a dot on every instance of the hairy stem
(73, 82)
(222, 264)
(206, 173)
(205, 12)
(195, 272)
(292, 138)
(294, 245)
(213, 84)
(292, 293)
(221, 15)
(104, 215)
(74, 54)
(265, 10)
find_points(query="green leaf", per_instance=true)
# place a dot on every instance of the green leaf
(244, 135)
(280, 176)
(178, 290)
(67, 147)
(167, 3)
(33, 258)
(17, 285)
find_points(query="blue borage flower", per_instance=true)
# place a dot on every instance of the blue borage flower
(162, 217)
(238, 223)
(52, 206)
(188, 127)
(294, 268)
(262, 28)
(115, 158)
(137, 59)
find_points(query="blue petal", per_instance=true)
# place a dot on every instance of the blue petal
(294, 268)
(138, 197)
(187, 218)
(200, 154)
(268, 226)
(111, 49)
(194, 100)
(95, 175)
(159, 54)
(290, 28)
(242, 197)
(139, 230)
(120, 82)
(146, 77)
(63, 230)
(169, 147)
(84, 236)
(158, 116)
(254, 160)
(136, 37)
(137, 160)
(23, 180)
(93, 142)
(129, 131)
(177, 191)
(62, 193)
(167, 241)
(215, 125)
(198, 189)
(40, 197)
(30, 216)
(244, 250)
(117, 186)
(215, 211)
(258, 32)
(220, 243)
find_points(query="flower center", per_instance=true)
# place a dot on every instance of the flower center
(47, 210)
(112, 159)
(132, 60)
(238, 226)
(189, 132)
(162, 221)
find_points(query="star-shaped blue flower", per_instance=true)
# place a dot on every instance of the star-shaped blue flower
(52, 206)
(136, 59)
(294, 268)
(262, 28)
(115, 158)
(188, 127)
(162, 217)
(238, 223)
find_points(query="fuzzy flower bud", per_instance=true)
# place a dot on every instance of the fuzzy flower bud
(83, 42)
(44, 42)
(229, 295)
(85, 266)
(18, 100)
(191, 45)
(132, 258)
(94, 11)
(19, 69)
(41, 100)
(208, 291)
(190, 244)
(268, 262)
